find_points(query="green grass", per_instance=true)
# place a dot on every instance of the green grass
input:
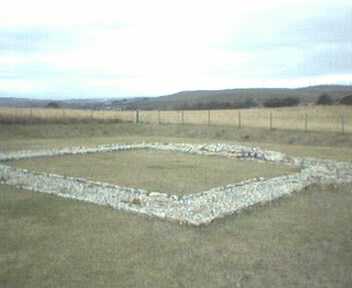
(161, 171)
(324, 145)
(301, 241)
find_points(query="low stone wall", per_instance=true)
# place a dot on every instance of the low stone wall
(196, 209)
(226, 150)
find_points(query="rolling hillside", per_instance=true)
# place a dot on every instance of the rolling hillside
(233, 96)
(191, 99)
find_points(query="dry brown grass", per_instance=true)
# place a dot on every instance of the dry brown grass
(293, 118)
(310, 118)
(50, 115)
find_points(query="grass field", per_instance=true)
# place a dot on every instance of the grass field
(301, 241)
(168, 172)
(336, 118)
(325, 145)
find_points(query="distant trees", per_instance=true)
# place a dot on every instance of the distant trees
(347, 100)
(325, 99)
(281, 102)
(203, 106)
(53, 104)
(248, 103)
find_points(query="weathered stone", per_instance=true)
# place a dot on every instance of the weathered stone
(196, 209)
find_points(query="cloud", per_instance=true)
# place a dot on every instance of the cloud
(135, 48)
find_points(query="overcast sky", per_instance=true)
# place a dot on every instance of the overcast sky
(82, 48)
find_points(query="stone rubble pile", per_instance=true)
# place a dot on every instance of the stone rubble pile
(196, 209)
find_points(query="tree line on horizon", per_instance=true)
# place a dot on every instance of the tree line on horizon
(276, 102)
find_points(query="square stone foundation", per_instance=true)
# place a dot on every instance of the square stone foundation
(196, 208)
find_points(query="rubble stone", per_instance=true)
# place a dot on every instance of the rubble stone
(195, 209)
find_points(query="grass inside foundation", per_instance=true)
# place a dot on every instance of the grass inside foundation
(162, 171)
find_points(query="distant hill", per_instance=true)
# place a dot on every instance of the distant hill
(193, 99)
(189, 99)
(22, 102)
(70, 103)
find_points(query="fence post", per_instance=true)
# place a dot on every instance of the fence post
(159, 118)
(14, 117)
(239, 119)
(137, 116)
(31, 116)
(271, 120)
(208, 117)
(183, 117)
(343, 123)
(306, 122)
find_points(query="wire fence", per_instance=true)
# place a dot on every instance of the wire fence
(307, 118)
